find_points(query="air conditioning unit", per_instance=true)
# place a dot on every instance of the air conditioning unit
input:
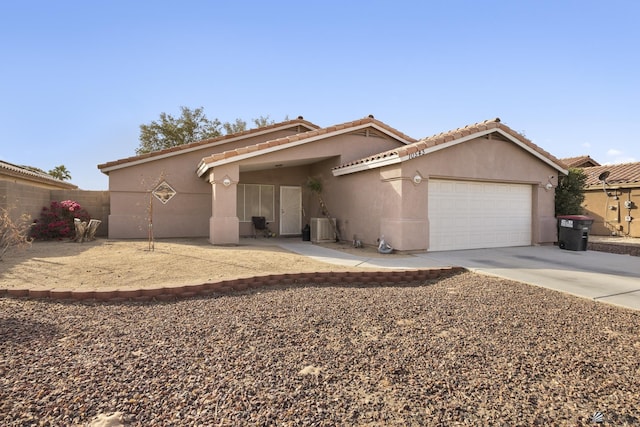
(322, 230)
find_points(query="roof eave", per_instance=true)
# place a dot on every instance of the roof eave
(386, 132)
(384, 162)
(28, 175)
(612, 186)
(540, 156)
(373, 164)
(106, 168)
(203, 166)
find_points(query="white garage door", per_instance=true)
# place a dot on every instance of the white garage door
(471, 215)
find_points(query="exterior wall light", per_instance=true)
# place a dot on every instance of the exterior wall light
(226, 181)
(417, 179)
(549, 185)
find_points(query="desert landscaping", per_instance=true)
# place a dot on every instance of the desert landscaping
(465, 349)
(120, 264)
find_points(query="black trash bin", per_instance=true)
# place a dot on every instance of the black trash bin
(573, 232)
(306, 233)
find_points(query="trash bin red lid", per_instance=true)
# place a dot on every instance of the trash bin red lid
(575, 217)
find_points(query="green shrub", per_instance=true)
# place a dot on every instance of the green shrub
(569, 193)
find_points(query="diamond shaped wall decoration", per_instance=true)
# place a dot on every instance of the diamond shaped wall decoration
(164, 192)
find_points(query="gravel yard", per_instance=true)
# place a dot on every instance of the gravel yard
(465, 350)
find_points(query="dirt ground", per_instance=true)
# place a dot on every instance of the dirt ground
(119, 264)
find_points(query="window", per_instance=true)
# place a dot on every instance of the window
(255, 200)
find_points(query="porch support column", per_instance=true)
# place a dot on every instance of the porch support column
(224, 226)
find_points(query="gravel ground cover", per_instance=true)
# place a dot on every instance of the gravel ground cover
(464, 350)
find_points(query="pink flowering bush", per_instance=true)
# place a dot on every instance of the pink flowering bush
(56, 221)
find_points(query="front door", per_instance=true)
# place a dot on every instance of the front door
(290, 210)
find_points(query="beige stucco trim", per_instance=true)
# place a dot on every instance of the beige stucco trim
(394, 158)
(373, 164)
(613, 186)
(196, 148)
(203, 167)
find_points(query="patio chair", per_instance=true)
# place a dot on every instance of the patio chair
(260, 224)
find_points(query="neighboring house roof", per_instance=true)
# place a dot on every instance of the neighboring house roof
(199, 145)
(11, 170)
(579, 162)
(620, 174)
(299, 139)
(445, 140)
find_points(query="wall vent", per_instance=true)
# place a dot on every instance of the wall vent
(322, 231)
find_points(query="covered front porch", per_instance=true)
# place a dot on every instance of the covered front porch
(273, 189)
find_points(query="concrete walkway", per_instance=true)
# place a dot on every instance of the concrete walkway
(600, 276)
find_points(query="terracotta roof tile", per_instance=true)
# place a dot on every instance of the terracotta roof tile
(18, 171)
(307, 135)
(624, 173)
(247, 133)
(452, 135)
(580, 162)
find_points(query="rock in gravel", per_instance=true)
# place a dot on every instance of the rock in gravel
(107, 420)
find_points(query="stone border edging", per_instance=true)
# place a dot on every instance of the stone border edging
(170, 293)
(614, 248)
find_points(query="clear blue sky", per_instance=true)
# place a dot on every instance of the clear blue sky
(78, 78)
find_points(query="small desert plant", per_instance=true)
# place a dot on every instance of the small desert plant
(315, 186)
(13, 234)
(56, 221)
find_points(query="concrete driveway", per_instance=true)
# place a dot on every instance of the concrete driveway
(600, 276)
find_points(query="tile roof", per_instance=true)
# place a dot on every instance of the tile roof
(211, 141)
(445, 137)
(624, 173)
(301, 137)
(22, 172)
(579, 162)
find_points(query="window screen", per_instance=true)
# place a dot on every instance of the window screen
(255, 200)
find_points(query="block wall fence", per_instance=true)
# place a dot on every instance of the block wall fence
(21, 198)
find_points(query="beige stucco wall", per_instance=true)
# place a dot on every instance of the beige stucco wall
(185, 215)
(386, 202)
(320, 157)
(194, 211)
(367, 204)
(188, 213)
(608, 221)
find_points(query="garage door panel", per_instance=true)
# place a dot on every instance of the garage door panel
(469, 215)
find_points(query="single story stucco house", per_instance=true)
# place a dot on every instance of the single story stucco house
(613, 201)
(483, 185)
